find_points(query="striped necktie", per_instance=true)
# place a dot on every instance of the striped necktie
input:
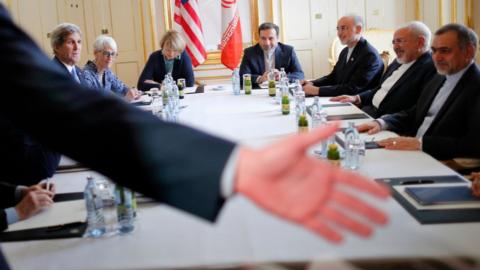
(74, 75)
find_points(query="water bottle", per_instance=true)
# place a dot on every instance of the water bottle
(352, 139)
(319, 119)
(125, 209)
(299, 103)
(283, 74)
(285, 99)
(236, 82)
(105, 191)
(93, 202)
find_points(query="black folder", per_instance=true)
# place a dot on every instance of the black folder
(432, 216)
(62, 197)
(352, 116)
(69, 230)
(336, 105)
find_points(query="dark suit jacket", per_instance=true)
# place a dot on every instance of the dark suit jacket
(155, 70)
(455, 131)
(23, 160)
(405, 92)
(363, 71)
(174, 164)
(253, 62)
(81, 75)
(7, 199)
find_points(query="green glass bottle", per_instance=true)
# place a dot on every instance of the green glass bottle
(285, 105)
(181, 88)
(333, 155)
(247, 84)
(272, 88)
(302, 123)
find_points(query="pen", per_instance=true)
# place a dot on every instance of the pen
(417, 182)
(48, 183)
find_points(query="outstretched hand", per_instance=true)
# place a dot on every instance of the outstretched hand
(285, 181)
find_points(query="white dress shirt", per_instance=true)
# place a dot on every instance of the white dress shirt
(389, 83)
(439, 100)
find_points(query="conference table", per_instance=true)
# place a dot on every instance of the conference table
(244, 234)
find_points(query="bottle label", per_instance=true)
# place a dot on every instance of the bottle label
(248, 89)
(286, 108)
(302, 129)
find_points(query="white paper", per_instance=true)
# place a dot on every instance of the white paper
(59, 213)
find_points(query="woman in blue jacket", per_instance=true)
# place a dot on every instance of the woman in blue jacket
(172, 58)
(98, 74)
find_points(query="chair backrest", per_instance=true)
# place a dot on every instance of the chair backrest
(381, 39)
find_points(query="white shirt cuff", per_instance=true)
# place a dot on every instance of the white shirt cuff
(227, 180)
(382, 123)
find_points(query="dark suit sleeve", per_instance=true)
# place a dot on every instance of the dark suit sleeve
(7, 193)
(330, 79)
(187, 70)
(361, 77)
(465, 146)
(24, 160)
(3, 221)
(147, 74)
(366, 97)
(294, 69)
(7, 199)
(246, 67)
(401, 122)
(174, 164)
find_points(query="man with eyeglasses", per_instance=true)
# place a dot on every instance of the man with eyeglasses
(359, 65)
(405, 78)
(444, 122)
(66, 42)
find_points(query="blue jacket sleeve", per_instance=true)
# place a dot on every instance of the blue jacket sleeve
(147, 74)
(187, 69)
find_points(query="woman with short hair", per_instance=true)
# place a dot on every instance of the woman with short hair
(98, 72)
(171, 58)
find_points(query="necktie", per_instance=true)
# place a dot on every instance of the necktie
(74, 75)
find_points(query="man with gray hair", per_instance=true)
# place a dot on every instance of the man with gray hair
(66, 42)
(359, 65)
(444, 122)
(405, 78)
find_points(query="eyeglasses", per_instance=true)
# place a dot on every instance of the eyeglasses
(399, 41)
(109, 54)
(343, 28)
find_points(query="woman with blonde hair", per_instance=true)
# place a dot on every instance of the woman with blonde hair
(171, 58)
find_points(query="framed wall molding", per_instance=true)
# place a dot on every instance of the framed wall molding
(453, 11)
(469, 14)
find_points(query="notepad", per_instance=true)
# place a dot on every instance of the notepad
(442, 195)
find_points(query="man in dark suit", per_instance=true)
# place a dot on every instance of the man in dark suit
(180, 166)
(24, 160)
(66, 41)
(359, 65)
(270, 55)
(404, 79)
(444, 122)
(19, 202)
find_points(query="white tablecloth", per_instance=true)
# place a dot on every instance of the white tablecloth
(166, 238)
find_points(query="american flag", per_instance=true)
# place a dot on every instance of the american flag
(186, 20)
